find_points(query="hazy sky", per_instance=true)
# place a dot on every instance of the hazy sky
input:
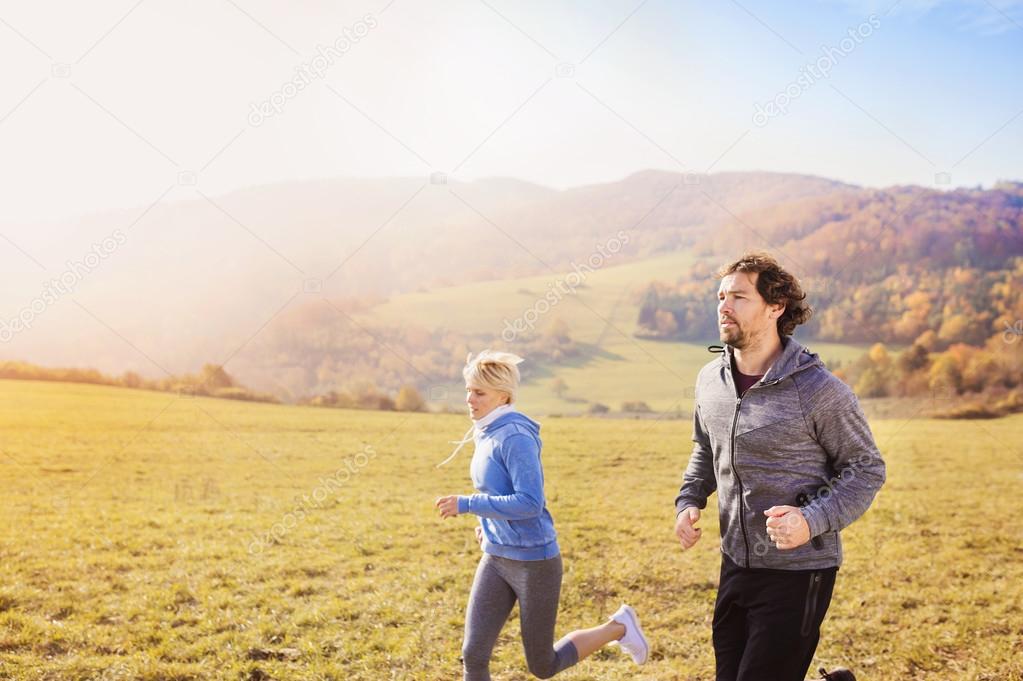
(114, 104)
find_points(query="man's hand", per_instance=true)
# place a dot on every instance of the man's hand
(685, 527)
(787, 527)
(448, 506)
(479, 535)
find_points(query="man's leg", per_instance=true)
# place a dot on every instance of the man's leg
(784, 621)
(729, 628)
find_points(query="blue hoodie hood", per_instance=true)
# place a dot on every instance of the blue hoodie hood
(517, 421)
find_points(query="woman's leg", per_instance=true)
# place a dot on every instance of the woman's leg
(589, 641)
(537, 583)
(490, 603)
(538, 587)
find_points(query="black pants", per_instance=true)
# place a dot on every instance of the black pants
(767, 622)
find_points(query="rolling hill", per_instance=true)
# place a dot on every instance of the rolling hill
(305, 288)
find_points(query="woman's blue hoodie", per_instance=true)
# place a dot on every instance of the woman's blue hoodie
(508, 475)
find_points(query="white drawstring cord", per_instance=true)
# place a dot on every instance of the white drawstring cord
(467, 438)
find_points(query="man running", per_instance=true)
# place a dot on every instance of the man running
(789, 452)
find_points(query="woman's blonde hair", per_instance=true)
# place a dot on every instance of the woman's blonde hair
(494, 370)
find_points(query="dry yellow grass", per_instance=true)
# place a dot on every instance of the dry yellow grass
(149, 536)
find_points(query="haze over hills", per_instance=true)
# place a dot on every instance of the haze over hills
(196, 278)
(287, 283)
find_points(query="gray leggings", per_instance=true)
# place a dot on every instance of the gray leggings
(537, 586)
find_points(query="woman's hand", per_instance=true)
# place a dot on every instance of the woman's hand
(479, 535)
(448, 506)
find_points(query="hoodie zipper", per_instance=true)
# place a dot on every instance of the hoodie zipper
(735, 472)
(735, 422)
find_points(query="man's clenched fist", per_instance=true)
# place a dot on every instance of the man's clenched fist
(786, 527)
(685, 527)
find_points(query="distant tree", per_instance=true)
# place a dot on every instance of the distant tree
(981, 372)
(559, 386)
(665, 323)
(559, 330)
(872, 383)
(954, 328)
(879, 355)
(928, 340)
(409, 399)
(912, 359)
(944, 374)
(648, 306)
(213, 376)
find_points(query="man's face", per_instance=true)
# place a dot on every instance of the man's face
(743, 314)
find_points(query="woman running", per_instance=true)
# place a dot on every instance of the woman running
(521, 559)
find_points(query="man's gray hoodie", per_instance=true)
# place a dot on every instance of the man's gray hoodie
(799, 429)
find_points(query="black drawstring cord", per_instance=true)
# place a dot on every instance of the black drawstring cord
(716, 348)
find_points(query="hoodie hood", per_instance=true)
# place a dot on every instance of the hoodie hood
(514, 418)
(794, 357)
(510, 422)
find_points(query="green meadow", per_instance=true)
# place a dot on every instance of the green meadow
(160, 537)
(601, 314)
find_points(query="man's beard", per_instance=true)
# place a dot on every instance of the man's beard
(734, 336)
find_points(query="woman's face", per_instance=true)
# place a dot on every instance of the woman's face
(482, 401)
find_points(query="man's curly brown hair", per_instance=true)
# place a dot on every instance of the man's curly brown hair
(775, 286)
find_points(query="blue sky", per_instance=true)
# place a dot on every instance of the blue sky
(913, 99)
(109, 104)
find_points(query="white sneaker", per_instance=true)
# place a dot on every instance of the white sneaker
(634, 642)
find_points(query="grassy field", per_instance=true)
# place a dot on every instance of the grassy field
(151, 536)
(601, 314)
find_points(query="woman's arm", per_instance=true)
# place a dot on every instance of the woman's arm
(520, 456)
